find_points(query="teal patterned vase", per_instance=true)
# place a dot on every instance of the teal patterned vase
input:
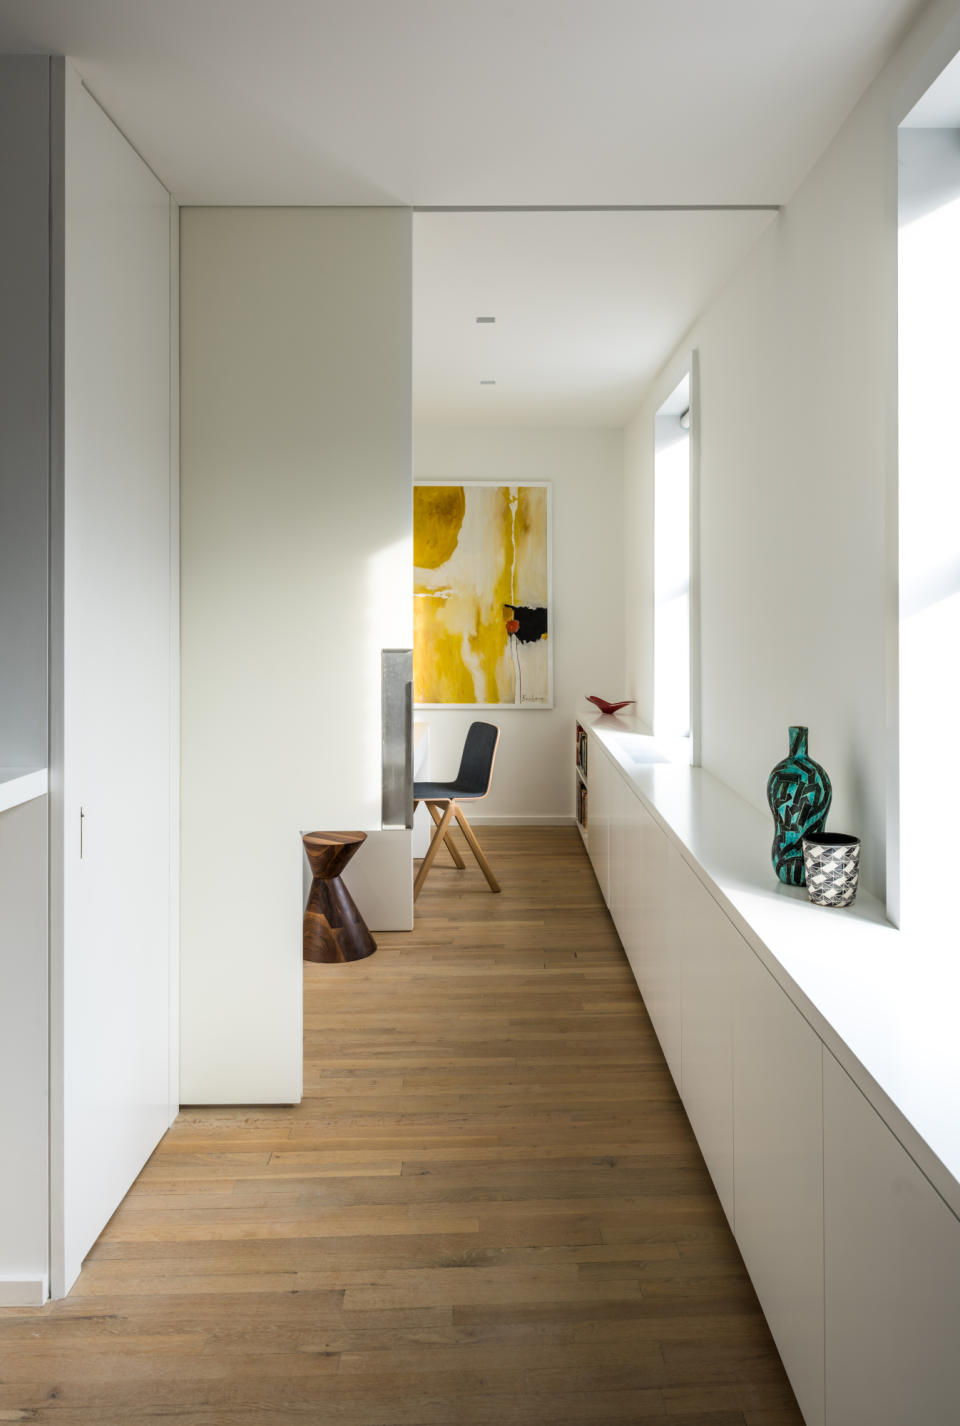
(799, 794)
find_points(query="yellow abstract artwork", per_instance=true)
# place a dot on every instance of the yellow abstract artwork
(481, 593)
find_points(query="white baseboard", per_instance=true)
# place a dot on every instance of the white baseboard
(23, 1291)
(519, 819)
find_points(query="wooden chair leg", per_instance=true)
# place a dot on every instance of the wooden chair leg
(474, 846)
(436, 842)
(458, 861)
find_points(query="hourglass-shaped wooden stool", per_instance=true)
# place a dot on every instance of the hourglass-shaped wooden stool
(333, 929)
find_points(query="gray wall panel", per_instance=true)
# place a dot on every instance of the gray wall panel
(24, 406)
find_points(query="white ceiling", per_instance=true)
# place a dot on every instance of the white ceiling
(489, 103)
(429, 102)
(588, 307)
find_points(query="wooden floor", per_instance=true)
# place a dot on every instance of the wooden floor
(489, 1207)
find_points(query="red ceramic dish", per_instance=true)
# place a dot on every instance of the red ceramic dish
(606, 707)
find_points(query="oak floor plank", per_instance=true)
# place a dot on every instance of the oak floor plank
(489, 1207)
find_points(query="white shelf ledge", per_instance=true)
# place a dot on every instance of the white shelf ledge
(21, 784)
(883, 1002)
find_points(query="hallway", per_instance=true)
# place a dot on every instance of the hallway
(489, 1207)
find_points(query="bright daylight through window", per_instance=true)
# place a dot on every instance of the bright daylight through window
(671, 523)
(929, 514)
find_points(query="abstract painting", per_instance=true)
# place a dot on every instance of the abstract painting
(481, 596)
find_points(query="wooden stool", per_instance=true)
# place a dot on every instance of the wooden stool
(333, 929)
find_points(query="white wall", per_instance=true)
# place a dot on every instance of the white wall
(534, 774)
(24, 1195)
(797, 475)
(113, 678)
(296, 572)
(24, 406)
(24, 486)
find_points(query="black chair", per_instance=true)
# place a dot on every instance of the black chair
(472, 782)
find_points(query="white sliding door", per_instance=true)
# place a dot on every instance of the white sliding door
(112, 936)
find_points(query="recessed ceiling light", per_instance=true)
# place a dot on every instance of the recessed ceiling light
(488, 383)
(486, 319)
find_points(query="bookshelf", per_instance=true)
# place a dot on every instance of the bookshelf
(581, 777)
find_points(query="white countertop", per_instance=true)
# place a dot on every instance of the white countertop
(886, 1004)
(21, 784)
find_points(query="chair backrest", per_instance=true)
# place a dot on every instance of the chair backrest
(476, 764)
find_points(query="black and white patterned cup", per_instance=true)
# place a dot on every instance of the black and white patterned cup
(831, 861)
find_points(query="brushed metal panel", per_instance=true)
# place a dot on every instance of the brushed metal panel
(396, 711)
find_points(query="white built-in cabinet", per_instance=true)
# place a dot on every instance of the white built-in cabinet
(854, 1256)
(89, 650)
(602, 791)
(778, 1170)
(652, 937)
(113, 676)
(712, 958)
(892, 1273)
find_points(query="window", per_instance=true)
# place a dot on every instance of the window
(672, 641)
(929, 519)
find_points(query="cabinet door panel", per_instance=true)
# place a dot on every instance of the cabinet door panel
(619, 821)
(659, 958)
(711, 952)
(113, 936)
(601, 793)
(778, 1173)
(892, 1252)
(630, 924)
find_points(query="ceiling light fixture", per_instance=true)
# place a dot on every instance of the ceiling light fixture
(488, 383)
(486, 319)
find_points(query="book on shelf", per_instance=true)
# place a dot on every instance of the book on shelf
(581, 750)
